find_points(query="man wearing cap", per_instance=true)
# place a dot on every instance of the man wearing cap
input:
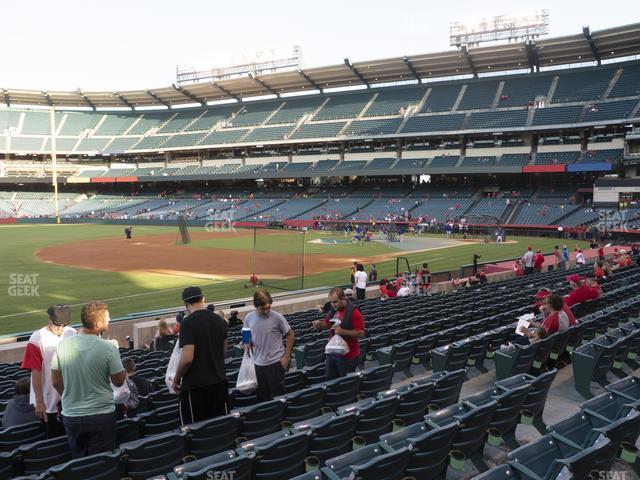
(580, 292)
(540, 306)
(200, 378)
(541, 294)
(527, 261)
(538, 261)
(37, 358)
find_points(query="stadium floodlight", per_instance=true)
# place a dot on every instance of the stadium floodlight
(265, 61)
(502, 27)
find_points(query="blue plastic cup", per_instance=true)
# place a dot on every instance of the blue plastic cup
(246, 336)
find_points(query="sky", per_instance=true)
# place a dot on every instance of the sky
(137, 44)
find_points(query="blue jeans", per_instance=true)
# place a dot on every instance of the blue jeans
(336, 367)
(91, 434)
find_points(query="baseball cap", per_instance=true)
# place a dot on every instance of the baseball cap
(348, 291)
(575, 278)
(543, 293)
(190, 293)
(60, 315)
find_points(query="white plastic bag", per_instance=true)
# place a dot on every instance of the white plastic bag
(172, 366)
(247, 379)
(336, 346)
(121, 393)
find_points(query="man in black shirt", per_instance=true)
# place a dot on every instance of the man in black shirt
(200, 377)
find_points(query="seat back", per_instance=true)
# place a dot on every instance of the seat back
(506, 417)
(390, 466)
(304, 404)
(524, 358)
(501, 472)
(342, 391)
(402, 355)
(537, 395)
(333, 437)
(283, 458)
(7, 465)
(12, 437)
(154, 455)
(223, 465)
(160, 420)
(448, 388)
(294, 381)
(102, 466)
(315, 374)
(376, 418)
(473, 426)
(430, 452)
(42, 455)
(128, 430)
(375, 380)
(413, 403)
(212, 436)
(262, 419)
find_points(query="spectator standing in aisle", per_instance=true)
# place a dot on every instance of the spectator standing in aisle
(200, 378)
(360, 282)
(37, 357)
(270, 357)
(344, 319)
(82, 370)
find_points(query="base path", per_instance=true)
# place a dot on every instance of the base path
(159, 254)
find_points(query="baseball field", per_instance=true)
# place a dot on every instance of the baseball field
(45, 264)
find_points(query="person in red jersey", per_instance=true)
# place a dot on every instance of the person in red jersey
(580, 292)
(37, 357)
(538, 261)
(592, 284)
(556, 319)
(344, 319)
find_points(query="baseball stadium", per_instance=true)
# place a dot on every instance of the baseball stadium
(482, 180)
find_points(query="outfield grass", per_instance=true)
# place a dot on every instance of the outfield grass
(128, 292)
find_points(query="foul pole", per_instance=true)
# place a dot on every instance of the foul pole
(54, 163)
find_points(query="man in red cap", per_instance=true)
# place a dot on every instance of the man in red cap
(541, 294)
(580, 291)
(540, 306)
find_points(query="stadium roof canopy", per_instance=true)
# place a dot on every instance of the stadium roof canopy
(587, 46)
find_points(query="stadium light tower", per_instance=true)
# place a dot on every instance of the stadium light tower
(54, 163)
(501, 27)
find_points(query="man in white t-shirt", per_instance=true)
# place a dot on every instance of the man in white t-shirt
(360, 282)
(527, 261)
(37, 358)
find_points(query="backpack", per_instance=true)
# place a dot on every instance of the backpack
(134, 398)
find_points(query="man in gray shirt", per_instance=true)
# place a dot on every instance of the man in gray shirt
(270, 357)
